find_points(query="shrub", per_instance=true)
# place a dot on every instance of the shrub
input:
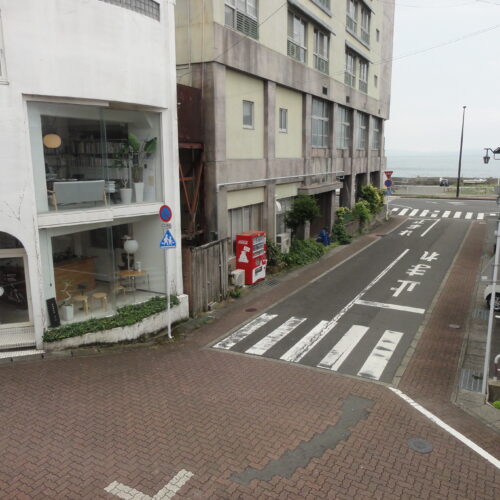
(274, 255)
(343, 213)
(125, 316)
(303, 252)
(304, 208)
(496, 404)
(373, 196)
(362, 211)
(339, 232)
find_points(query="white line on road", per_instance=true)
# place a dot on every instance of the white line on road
(414, 212)
(343, 348)
(435, 214)
(396, 307)
(468, 215)
(473, 446)
(395, 209)
(244, 331)
(403, 212)
(275, 336)
(446, 214)
(457, 215)
(299, 350)
(377, 361)
(166, 493)
(424, 213)
(480, 216)
(428, 229)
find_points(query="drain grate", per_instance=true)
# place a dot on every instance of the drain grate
(481, 314)
(272, 282)
(471, 380)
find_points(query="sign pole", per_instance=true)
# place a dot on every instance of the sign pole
(167, 242)
(167, 287)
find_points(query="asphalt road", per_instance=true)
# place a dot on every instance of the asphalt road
(360, 318)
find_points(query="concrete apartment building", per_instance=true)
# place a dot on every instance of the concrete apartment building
(295, 94)
(77, 79)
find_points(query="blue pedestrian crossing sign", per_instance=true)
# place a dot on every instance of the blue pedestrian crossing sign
(168, 241)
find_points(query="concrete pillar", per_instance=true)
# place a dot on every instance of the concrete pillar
(222, 230)
(269, 125)
(306, 130)
(270, 211)
(347, 192)
(330, 207)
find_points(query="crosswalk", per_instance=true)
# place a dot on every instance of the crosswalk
(416, 212)
(296, 340)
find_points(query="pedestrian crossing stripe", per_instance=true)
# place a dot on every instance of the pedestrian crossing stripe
(436, 213)
(372, 368)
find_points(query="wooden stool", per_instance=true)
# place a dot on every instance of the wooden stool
(103, 297)
(84, 300)
(119, 288)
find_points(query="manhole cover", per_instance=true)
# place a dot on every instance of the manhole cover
(420, 445)
(456, 327)
(250, 310)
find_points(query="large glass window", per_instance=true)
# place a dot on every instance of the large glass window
(320, 120)
(350, 69)
(365, 25)
(363, 76)
(296, 46)
(343, 124)
(321, 51)
(352, 16)
(283, 206)
(363, 131)
(377, 133)
(241, 15)
(85, 157)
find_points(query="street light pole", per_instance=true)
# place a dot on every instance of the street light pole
(460, 156)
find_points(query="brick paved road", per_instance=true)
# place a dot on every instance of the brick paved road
(70, 427)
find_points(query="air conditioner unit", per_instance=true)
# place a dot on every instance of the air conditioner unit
(283, 241)
(238, 277)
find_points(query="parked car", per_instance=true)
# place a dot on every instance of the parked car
(443, 182)
(487, 296)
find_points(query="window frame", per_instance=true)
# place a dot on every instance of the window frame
(364, 31)
(235, 8)
(350, 69)
(291, 40)
(363, 75)
(323, 120)
(252, 115)
(343, 128)
(352, 16)
(283, 119)
(318, 57)
(377, 134)
(363, 125)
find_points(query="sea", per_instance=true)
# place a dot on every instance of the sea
(441, 165)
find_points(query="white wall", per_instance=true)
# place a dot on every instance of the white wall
(87, 52)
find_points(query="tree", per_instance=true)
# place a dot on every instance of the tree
(304, 208)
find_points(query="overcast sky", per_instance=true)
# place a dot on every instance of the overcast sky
(429, 89)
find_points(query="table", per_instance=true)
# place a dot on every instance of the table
(131, 274)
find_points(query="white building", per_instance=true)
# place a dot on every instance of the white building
(80, 81)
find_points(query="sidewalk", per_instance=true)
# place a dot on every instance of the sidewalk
(236, 426)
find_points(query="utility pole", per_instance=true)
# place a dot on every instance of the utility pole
(460, 156)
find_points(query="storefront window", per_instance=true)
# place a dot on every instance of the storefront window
(86, 157)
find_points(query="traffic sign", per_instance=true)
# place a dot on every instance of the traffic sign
(388, 183)
(168, 241)
(388, 173)
(165, 213)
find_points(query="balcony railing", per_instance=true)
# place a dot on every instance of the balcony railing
(296, 51)
(363, 86)
(349, 79)
(365, 36)
(149, 8)
(321, 64)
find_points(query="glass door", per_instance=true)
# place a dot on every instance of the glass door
(14, 303)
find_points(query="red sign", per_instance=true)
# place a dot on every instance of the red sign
(165, 213)
(388, 173)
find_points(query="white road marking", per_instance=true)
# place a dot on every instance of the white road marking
(275, 336)
(395, 209)
(480, 216)
(166, 493)
(435, 214)
(457, 215)
(403, 212)
(428, 229)
(343, 348)
(446, 214)
(299, 350)
(244, 331)
(468, 215)
(493, 214)
(424, 213)
(377, 361)
(396, 307)
(473, 446)
(414, 212)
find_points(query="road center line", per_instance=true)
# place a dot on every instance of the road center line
(473, 446)
(396, 307)
(299, 350)
(428, 229)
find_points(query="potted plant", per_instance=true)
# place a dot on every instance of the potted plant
(66, 306)
(139, 151)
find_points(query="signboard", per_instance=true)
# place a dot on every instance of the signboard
(388, 173)
(388, 183)
(53, 313)
(168, 241)
(165, 213)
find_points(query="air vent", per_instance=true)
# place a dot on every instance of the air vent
(347, 99)
(325, 90)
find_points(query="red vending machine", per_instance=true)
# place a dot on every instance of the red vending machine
(251, 255)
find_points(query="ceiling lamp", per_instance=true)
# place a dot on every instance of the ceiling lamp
(52, 141)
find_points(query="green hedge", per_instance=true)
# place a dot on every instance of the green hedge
(303, 252)
(125, 316)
